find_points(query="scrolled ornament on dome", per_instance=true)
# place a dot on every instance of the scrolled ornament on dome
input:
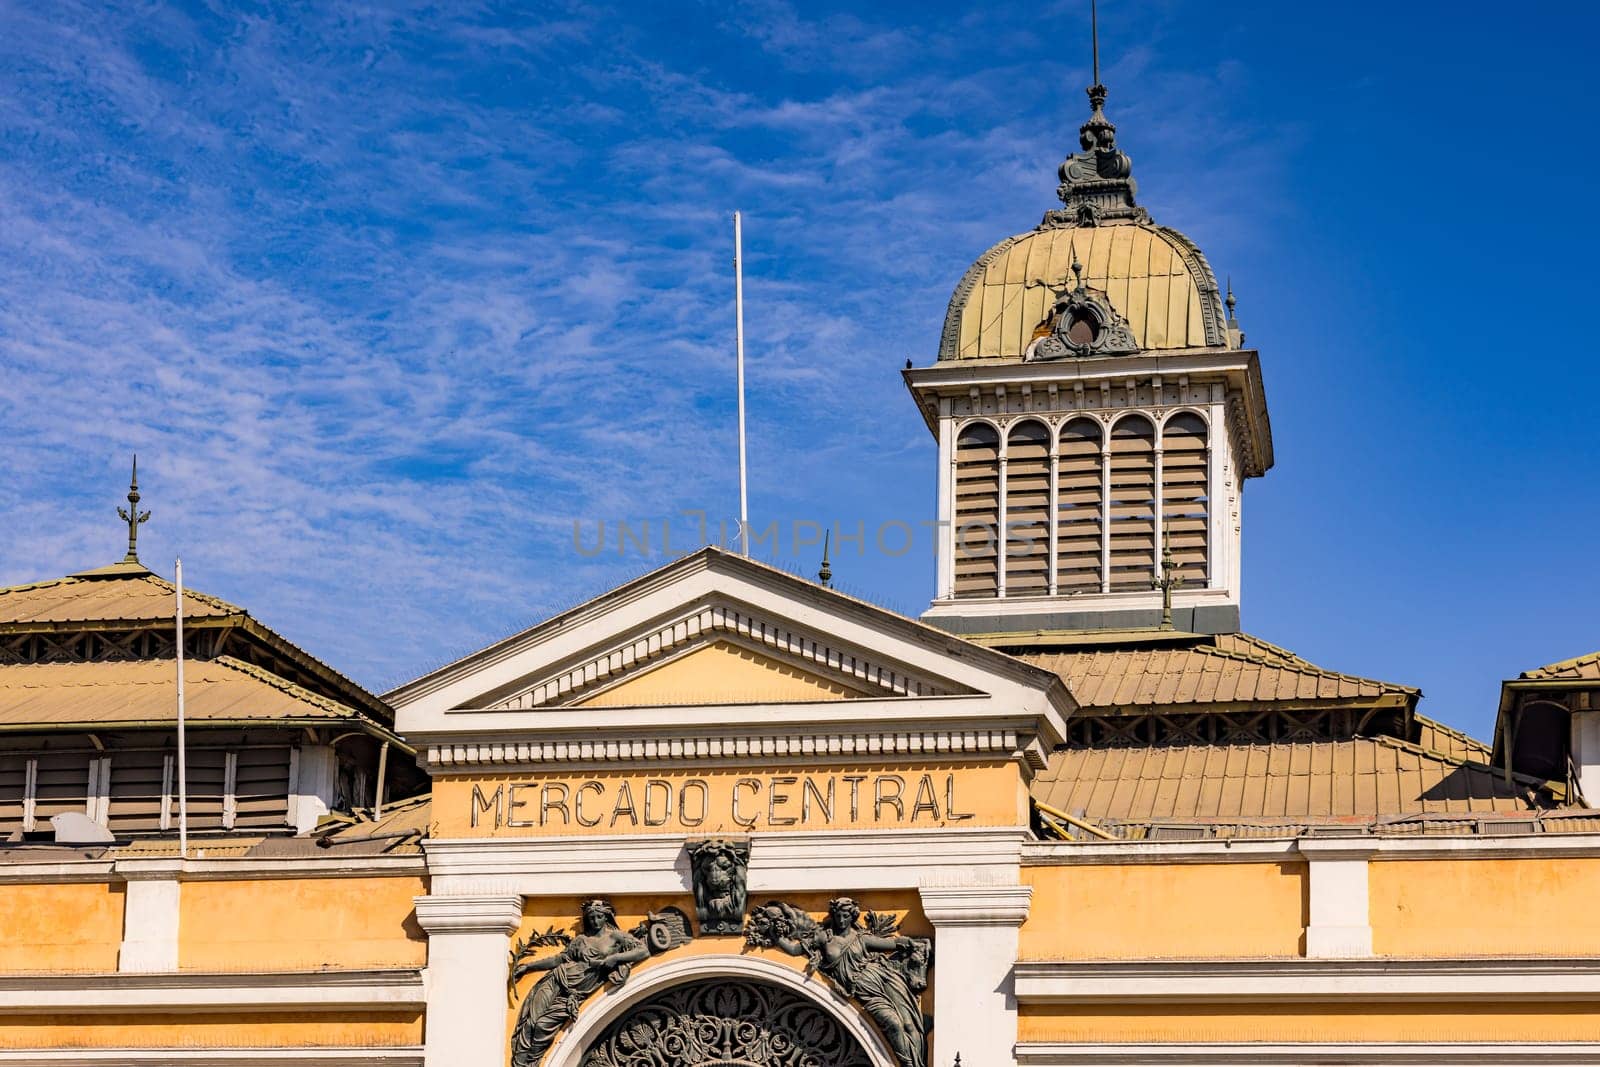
(1097, 183)
(1083, 323)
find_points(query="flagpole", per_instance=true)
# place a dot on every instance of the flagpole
(183, 769)
(738, 312)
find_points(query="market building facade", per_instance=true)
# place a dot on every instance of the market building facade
(726, 815)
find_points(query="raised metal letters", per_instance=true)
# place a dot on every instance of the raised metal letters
(719, 867)
(873, 965)
(725, 1023)
(600, 953)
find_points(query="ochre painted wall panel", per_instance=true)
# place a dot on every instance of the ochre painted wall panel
(63, 927)
(146, 1031)
(1309, 1022)
(1479, 907)
(300, 924)
(1150, 911)
(711, 802)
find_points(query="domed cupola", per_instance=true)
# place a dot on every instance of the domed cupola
(1097, 414)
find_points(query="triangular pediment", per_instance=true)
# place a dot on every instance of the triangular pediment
(719, 649)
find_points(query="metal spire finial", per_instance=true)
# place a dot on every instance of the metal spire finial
(1077, 268)
(1094, 37)
(825, 575)
(1230, 301)
(133, 516)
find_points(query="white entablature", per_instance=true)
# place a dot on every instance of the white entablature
(714, 657)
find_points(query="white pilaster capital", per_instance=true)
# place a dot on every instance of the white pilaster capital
(976, 905)
(149, 870)
(469, 915)
(1336, 848)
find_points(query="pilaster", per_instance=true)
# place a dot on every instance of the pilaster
(975, 955)
(150, 915)
(468, 961)
(1339, 925)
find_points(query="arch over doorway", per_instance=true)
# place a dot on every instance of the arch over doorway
(721, 1011)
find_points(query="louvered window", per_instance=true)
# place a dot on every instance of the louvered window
(1132, 505)
(60, 785)
(13, 783)
(977, 517)
(1078, 514)
(261, 785)
(1185, 498)
(1027, 489)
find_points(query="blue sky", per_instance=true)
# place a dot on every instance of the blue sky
(388, 296)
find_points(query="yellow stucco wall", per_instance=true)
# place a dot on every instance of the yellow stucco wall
(1147, 911)
(720, 673)
(1309, 1022)
(64, 927)
(320, 1030)
(710, 802)
(300, 924)
(1477, 907)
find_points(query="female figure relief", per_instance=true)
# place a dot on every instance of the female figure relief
(881, 970)
(601, 952)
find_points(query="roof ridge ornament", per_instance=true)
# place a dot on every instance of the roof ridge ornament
(1097, 183)
(133, 516)
(1082, 322)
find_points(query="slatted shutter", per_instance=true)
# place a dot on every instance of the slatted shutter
(13, 779)
(1028, 509)
(61, 784)
(1185, 498)
(1079, 505)
(1133, 500)
(261, 788)
(207, 771)
(977, 516)
(136, 779)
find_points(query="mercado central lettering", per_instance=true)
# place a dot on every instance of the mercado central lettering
(721, 803)
(726, 816)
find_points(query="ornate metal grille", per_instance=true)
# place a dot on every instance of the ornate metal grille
(726, 1023)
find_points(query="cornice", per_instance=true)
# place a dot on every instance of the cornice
(1374, 848)
(976, 905)
(198, 991)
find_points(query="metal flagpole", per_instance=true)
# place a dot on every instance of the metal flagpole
(738, 311)
(183, 769)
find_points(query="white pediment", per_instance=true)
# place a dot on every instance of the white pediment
(713, 648)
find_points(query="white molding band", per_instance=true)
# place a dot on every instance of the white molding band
(963, 738)
(192, 1057)
(1276, 850)
(110, 869)
(1229, 1054)
(499, 913)
(822, 860)
(309, 991)
(1386, 980)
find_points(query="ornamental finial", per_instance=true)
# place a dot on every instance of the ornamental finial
(825, 575)
(1097, 183)
(133, 516)
(1170, 579)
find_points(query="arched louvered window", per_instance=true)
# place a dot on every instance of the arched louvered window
(1078, 508)
(1027, 489)
(977, 516)
(1185, 499)
(1133, 503)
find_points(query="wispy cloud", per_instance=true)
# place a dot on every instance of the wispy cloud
(386, 295)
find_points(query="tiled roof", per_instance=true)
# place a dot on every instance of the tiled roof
(1237, 670)
(123, 593)
(1437, 737)
(1357, 780)
(1579, 668)
(95, 694)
